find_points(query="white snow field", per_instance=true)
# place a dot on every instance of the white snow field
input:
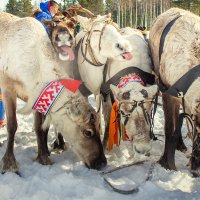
(68, 178)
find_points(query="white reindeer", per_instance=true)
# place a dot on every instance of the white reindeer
(100, 42)
(180, 57)
(28, 63)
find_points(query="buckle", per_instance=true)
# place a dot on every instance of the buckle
(180, 95)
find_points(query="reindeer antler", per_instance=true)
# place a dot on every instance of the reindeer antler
(79, 8)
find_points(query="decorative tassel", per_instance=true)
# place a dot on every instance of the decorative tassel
(113, 128)
(114, 134)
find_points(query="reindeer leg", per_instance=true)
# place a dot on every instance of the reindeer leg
(8, 162)
(106, 112)
(167, 160)
(180, 144)
(43, 152)
(46, 138)
(195, 158)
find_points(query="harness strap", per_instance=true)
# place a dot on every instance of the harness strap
(93, 62)
(183, 84)
(180, 87)
(161, 85)
(152, 135)
(107, 23)
(76, 74)
(101, 37)
(164, 34)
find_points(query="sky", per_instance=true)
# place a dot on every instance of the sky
(3, 4)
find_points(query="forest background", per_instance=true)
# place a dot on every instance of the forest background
(131, 13)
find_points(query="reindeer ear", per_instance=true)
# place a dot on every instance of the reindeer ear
(48, 23)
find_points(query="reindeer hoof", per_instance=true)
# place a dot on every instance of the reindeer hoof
(44, 160)
(8, 165)
(195, 173)
(166, 164)
(195, 166)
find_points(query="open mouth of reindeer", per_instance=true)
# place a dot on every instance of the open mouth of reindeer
(64, 46)
(127, 56)
(125, 53)
(66, 52)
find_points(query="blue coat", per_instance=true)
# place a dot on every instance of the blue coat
(2, 111)
(44, 7)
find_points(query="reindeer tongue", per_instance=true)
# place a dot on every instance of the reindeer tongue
(127, 56)
(69, 51)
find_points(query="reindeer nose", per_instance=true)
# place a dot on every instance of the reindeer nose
(142, 148)
(100, 163)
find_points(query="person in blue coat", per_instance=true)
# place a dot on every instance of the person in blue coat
(48, 10)
(2, 111)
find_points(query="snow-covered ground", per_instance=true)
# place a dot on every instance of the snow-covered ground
(68, 178)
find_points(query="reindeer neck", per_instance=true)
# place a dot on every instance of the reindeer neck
(90, 74)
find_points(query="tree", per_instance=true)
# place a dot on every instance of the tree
(97, 6)
(25, 8)
(12, 7)
(192, 5)
(136, 12)
(68, 3)
(21, 8)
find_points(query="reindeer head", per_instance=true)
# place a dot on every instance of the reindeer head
(134, 104)
(79, 123)
(61, 30)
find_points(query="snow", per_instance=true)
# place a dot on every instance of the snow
(68, 178)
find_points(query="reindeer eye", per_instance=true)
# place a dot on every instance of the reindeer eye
(88, 133)
(145, 93)
(126, 95)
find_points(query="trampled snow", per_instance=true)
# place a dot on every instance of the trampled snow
(68, 178)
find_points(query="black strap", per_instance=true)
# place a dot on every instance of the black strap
(105, 94)
(76, 74)
(183, 84)
(152, 135)
(161, 85)
(105, 71)
(164, 34)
